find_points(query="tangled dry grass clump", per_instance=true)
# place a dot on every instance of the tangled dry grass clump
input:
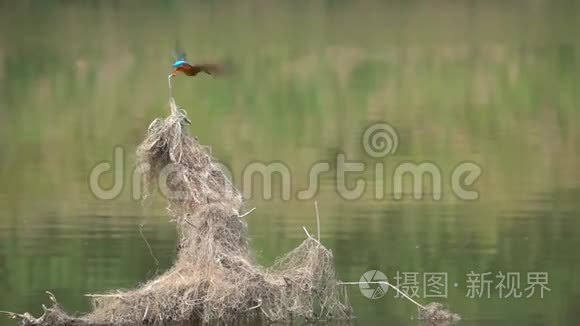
(435, 314)
(215, 276)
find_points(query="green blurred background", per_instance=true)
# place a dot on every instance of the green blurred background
(493, 82)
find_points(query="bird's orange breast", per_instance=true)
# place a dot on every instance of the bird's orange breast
(188, 70)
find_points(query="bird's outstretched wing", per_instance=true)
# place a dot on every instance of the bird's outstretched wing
(179, 53)
(210, 68)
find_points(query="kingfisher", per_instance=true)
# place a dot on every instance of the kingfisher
(181, 65)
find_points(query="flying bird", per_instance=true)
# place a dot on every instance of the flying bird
(182, 66)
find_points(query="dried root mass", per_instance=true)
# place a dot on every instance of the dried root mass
(215, 277)
(435, 314)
